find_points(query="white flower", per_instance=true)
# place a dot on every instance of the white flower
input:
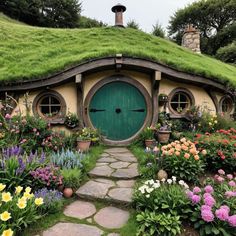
(163, 180)
(174, 179)
(148, 196)
(156, 185)
(181, 182)
(186, 186)
(169, 181)
(142, 189)
(149, 190)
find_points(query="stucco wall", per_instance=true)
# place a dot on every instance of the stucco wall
(91, 80)
(200, 95)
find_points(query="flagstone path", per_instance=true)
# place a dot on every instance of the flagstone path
(111, 181)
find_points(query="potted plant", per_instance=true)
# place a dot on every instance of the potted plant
(163, 128)
(71, 120)
(71, 181)
(148, 136)
(84, 139)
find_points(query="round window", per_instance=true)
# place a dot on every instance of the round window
(226, 104)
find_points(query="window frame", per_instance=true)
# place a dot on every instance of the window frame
(37, 108)
(185, 92)
(231, 105)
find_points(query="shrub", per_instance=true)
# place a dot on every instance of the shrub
(19, 210)
(221, 149)
(207, 122)
(53, 200)
(183, 160)
(213, 206)
(15, 167)
(67, 159)
(71, 177)
(147, 133)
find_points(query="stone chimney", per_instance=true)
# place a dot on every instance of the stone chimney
(191, 39)
(118, 10)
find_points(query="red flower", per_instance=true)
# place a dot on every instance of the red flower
(222, 157)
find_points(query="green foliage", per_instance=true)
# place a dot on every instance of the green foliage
(132, 24)
(71, 120)
(86, 22)
(59, 49)
(157, 30)
(216, 26)
(71, 177)
(158, 224)
(147, 134)
(227, 53)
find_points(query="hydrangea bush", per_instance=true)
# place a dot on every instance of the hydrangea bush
(17, 210)
(214, 206)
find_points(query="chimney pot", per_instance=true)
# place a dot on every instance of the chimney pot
(118, 10)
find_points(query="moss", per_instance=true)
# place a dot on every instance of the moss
(31, 52)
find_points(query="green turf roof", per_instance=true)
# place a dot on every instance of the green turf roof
(30, 52)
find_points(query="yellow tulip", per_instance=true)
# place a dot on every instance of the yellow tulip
(8, 232)
(5, 216)
(21, 204)
(28, 190)
(6, 197)
(38, 201)
(28, 195)
(18, 189)
(2, 186)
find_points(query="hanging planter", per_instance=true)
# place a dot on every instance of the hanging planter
(163, 99)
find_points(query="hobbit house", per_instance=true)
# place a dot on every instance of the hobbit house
(110, 77)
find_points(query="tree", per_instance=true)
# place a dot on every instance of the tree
(132, 24)
(158, 30)
(214, 18)
(227, 53)
(49, 13)
(86, 22)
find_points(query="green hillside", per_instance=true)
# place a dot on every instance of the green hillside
(30, 52)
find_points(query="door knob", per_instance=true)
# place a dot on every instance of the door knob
(118, 110)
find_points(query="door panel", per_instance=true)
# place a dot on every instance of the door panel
(118, 109)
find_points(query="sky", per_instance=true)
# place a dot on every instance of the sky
(145, 12)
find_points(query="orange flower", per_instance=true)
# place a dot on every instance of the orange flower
(177, 153)
(185, 148)
(196, 157)
(193, 151)
(186, 144)
(169, 146)
(186, 155)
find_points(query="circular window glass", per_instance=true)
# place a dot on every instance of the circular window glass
(180, 102)
(227, 105)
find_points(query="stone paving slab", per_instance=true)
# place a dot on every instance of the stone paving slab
(129, 173)
(80, 209)
(70, 229)
(121, 195)
(105, 181)
(125, 158)
(113, 234)
(111, 217)
(116, 150)
(104, 171)
(107, 160)
(125, 183)
(93, 189)
(119, 165)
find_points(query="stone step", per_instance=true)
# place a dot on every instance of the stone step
(105, 190)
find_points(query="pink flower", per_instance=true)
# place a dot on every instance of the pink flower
(189, 194)
(230, 194)
(229, 176)
(221, 172)
(206, 195)
(232, 220)
(205, 208)
(232, 183)
(225, 207)
(222, 214)
(209, 189)
(196, 190)
(7, 116)
(220, 179)
(209, 201)
(207, 215)
(34, 130)
(195, 199)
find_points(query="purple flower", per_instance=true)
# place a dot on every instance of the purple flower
(207, 215)
(232, 220)
(209, 189)
(195, 199)
(209, 201)
(221, 172)
(232, 183)
(196, 190)
(222, 214)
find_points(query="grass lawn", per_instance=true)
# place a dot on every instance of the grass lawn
(31, 52)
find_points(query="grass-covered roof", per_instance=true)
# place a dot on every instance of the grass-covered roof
(30, 52)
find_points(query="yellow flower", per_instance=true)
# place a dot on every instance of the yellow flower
(18, 189)
(21, 204)
(2, 186)
(210, 123)
(5, 216)
(216, 121)
(23, 199)
(28, 190)
(38, 201)
(6, 197)
(28, 195)
(8, 232)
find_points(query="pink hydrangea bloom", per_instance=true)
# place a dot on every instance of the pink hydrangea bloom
(229, 194)
(207, 215)
(195, 199)
(209, 189)
(220, 179)
(189, 194)
(229, 176)
(206, 195)
(232, 220)
(222, 214)
(196, 190)
(232, 183)
(209, 201)
(221, 172)
(226, 208)
(205, 208)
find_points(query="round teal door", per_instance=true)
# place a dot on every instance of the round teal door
(118, 110)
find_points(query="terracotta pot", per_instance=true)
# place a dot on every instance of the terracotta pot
(83, 145)
(67, 192)
(149, 143)
(163, 136)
